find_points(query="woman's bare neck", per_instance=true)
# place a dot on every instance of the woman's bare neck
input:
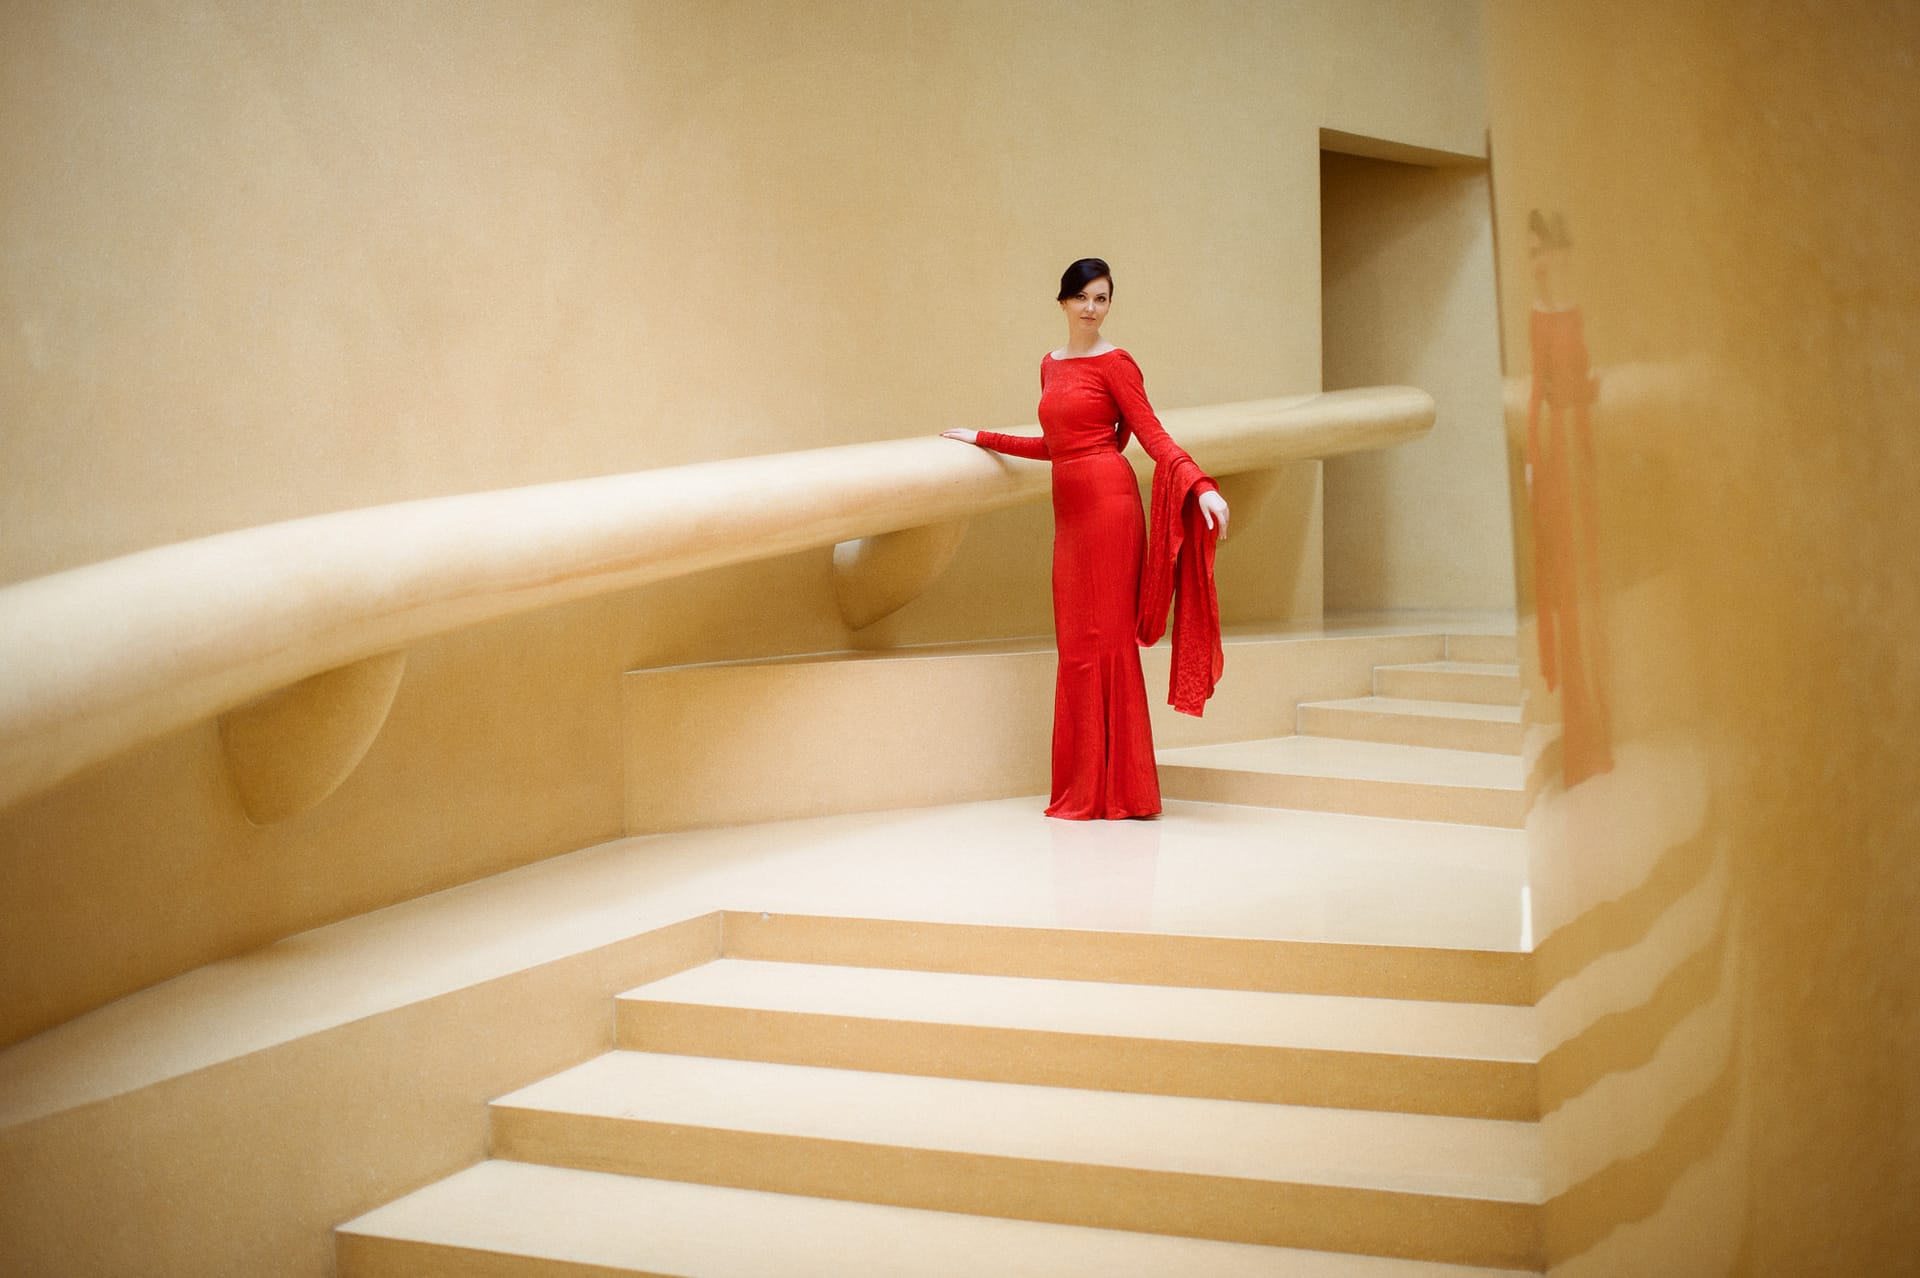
(1098, 348)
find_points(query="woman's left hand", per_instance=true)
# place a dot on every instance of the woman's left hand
(1213, 508)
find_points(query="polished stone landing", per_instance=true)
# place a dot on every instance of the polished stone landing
(1202, 869)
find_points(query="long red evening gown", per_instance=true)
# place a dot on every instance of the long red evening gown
(1102, 739)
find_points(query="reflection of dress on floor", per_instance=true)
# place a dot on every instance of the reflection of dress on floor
(1103, 763)
(1565, 540)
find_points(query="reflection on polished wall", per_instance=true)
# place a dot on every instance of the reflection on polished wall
(1710, 298)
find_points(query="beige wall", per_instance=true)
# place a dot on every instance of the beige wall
(265, 260)
(268, 260)
(1724, 586)
(1408, 297)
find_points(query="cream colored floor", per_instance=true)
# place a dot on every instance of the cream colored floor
(1200, 869)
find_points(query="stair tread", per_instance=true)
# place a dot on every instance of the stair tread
(1433, 709)
(1460, 667)
(1486, 1159)
(1335, 757)
(702, 1231)
(1469, 1031)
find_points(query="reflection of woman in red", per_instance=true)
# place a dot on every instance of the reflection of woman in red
(1106, 579)
(1565, 504)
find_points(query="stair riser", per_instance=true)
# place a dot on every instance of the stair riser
(1326, 1218)
(1458, 805)
(1483, 648)
(1434, 731)
(1448, 685)
(1205, 962)
(1224, 1071)
(356, 1256)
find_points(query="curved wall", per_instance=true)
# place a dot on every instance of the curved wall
(1719, 552)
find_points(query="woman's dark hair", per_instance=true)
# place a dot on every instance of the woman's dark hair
(1082, 273)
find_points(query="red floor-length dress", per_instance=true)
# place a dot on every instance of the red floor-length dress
(1102, 740)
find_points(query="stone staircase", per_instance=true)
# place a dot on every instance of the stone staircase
(840, 1095)
(1437, 741)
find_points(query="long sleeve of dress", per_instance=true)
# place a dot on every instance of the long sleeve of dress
(1033, 446)
(1137, 415)
(1178, 567)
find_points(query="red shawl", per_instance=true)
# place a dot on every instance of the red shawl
(1179, 566)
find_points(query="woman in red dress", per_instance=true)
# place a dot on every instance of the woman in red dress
(1566, 508)
(1091, 399)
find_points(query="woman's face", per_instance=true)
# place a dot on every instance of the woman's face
(1087, 309)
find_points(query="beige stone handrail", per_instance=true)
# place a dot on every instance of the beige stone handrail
(98, 659)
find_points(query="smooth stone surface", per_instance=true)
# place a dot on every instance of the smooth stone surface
(1406, 1153)
(1471, 1030)
(1446, 725)
(1470, 1060)
(567, 1215)
(1369, 778)
(1355, 760)
(1492, 682)
(1199, 870)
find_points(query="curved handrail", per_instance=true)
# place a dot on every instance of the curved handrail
(96, 660)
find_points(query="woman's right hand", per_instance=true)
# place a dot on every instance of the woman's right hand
(964, 436)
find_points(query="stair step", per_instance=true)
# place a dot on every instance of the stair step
(1496, 648)
(1415, 1186)
(1368, 778)
(1468, 1060)
(1396, 971)
(1447, 725)
(519, 1220)
(1486, 682)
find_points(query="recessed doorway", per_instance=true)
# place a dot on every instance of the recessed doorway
(1408, 298)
